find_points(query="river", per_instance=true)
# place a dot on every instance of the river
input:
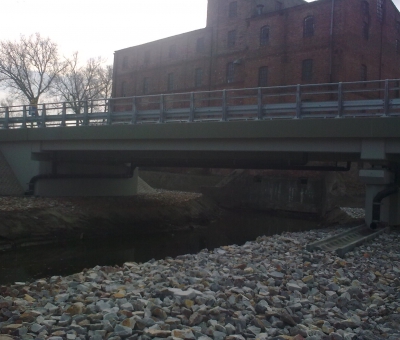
(71, 257)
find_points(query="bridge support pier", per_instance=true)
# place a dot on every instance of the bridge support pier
(382, 201)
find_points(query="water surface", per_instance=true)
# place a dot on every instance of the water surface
(68, 258)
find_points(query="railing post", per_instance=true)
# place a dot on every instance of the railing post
(340, 100)
(224, 106)
(259, 104)
(6, 117)
(85, 113)
(386, 107)
(191, 113)
(23, 117)
(109, 111)
(298, 101)
(134, 111)
(162, 108)
(64, 114)
(43, 122)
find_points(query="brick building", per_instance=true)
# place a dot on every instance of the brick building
(250, 43)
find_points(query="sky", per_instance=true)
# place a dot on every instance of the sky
(100, 27)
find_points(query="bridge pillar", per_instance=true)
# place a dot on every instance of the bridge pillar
(380, 181)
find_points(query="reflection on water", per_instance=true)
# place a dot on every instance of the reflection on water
(72, 257)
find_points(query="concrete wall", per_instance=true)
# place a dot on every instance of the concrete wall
(9, 184)
(18, 156)
(270, 193)
(177, 181)
(87, 187)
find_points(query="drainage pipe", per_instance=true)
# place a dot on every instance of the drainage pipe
(34, 179)
(376, 204)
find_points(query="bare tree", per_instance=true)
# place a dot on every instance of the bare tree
(29, 66)
(77, 84)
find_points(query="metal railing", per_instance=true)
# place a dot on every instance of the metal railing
(330, 100)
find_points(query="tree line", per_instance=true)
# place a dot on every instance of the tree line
(32, 69)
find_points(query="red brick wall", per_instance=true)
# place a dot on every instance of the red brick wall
(283, 55)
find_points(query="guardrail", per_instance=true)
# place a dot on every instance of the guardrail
(330, 100)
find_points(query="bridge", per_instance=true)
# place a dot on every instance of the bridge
(94, 147)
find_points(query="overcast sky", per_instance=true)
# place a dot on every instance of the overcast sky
(100, 27)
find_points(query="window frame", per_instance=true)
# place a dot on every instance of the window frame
(123, 89)
(264, 35)
(198, 77)
(125, 62)
(365, 30)
(307, 69)
(172, 51)
(200, 45)
(146, 85)
(308, 26)
(170, 82)
(365, 8)
(363, 72)
(232, 9)
(230, 72)
(147, 55)
(231, 42)
(263, 76)
(278, 5)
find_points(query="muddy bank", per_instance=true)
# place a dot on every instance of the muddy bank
(31, 221)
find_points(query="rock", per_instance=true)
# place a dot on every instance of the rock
(189, 294)
(158, 333)
(186, 334)
(76, 308)
(122, 331)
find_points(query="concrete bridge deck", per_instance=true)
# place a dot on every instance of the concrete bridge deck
(60, 152)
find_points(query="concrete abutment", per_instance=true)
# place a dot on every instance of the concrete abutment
(51, 179)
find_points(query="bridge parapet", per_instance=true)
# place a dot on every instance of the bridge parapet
(330, 100)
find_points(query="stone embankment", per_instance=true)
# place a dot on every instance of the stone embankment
(271, 288)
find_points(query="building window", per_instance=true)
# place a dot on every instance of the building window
(233, 9)
(125, 62)
(231, 38)
(365, 8)
(172, 51)
(198, 77)
(147, 57)
(308, 29)
(397, 46)
(307, 70)
(146, 85)
(264, 35)
(278, 6)
(230, 72)
(397, 26)
(262, 76)
(365, 30)
(170, 85)
(200, 47)
(380, 10)
(260, 9)
(123, 89)
(363, 73)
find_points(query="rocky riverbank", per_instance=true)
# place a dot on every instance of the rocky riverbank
(271, 288)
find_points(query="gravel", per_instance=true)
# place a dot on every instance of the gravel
(271, 288)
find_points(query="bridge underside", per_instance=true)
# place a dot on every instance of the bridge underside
(99, 160)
